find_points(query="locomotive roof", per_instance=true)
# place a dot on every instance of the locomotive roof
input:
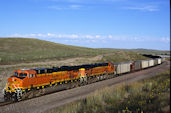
(68, 68)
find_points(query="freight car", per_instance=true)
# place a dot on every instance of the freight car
(28, 83)
(151, 63)
(144, 64)
(122, 68)
(136, 65)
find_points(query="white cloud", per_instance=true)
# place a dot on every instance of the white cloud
(78, 4)
(86, 1)
(165, 39)
(66, 7)
(149, 8)
(92, 38)
(75, 6)
(102, 41)
(56, 7)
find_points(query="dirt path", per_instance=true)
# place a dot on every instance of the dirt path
(48, 102)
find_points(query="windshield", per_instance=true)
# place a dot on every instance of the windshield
(23, 74)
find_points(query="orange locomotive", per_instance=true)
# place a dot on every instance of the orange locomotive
(25, 82)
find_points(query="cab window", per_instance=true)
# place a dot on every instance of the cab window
(15, 74)
(23, 74)
(31, 75)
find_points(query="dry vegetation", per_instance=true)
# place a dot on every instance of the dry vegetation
(151, 95)
(122, 56)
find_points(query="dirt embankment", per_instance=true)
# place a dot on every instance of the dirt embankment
(48, 102)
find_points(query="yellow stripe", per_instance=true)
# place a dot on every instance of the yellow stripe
(48, 83)
(18, 88)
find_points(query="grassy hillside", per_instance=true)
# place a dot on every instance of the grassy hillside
(17, 50)
(146, 96)
(150, 51)
(142, 51)
(122, 56)
(25, 49)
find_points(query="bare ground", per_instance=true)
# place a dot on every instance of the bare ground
(51, 101)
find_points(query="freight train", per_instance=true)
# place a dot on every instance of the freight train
(28, 83)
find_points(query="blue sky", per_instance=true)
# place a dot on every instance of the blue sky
(89, 23)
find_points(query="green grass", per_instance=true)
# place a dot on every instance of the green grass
(168, 58)
(151, 51)
(17, 50)
(144, 51)
(123, 56)
(14, 50)
(151, 95)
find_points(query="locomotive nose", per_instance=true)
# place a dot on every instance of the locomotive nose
(12, 84)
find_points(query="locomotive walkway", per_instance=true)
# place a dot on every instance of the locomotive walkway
(48, 102)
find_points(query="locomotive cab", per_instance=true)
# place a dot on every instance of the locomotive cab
(24, 73)
(14, 87)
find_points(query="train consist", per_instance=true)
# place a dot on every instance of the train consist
(28, 83)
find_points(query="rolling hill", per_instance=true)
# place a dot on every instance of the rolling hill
(142, 51)
(17, 50)
(151, 51)
(13, 50)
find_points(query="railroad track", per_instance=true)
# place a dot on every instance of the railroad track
(5, 103)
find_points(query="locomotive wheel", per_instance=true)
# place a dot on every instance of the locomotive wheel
(70, 86)
(14, 98)
(6, 97)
